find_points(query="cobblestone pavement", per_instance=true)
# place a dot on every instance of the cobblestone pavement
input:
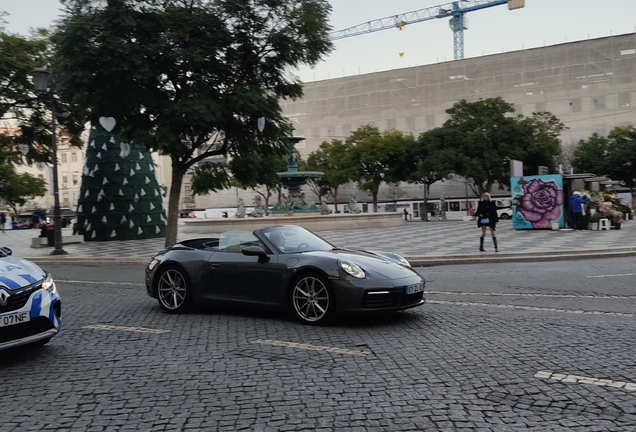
(413, 239)
(502, 347)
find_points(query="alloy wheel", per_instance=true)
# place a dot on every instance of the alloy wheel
(172, 290)
(311, 300)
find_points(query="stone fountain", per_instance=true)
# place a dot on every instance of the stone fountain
(294, 203)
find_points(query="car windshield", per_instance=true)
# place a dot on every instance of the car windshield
(293, 239)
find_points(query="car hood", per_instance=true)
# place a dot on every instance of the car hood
(373, 264)
(16, 273)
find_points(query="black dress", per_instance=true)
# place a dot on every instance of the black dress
(487, 209)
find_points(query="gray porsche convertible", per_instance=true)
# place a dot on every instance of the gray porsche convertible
(282, 268)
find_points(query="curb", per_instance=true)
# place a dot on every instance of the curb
(525, 257)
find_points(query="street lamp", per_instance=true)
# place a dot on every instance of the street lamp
(45, 88)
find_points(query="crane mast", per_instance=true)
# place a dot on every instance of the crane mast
(454, 11)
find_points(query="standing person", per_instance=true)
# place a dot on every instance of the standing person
(3, 220)
(576, 208)
(487, 218)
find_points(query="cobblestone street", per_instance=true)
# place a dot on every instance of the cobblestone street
(539, 346)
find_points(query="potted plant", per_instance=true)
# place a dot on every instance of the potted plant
(594, 221)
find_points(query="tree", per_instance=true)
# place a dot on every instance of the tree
(591, 155)
(19, 104)
(486, 135)
(16, 189)
(374, 158)
(622, 157)
(189, 79)
(431, 163)
(330, 159)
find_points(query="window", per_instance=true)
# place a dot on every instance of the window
(64, 179)
(75, 197)
(63, 157)
(65, 198)
(73, 157)
(75, 177)
(235, 241)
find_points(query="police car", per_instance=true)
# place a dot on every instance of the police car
(30, 306)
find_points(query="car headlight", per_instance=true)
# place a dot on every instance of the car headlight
(153, 262)
(352, 269)
(48, 283)
(402, 260)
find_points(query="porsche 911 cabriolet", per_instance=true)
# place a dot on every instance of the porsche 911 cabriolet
(30, 307)
(282, 268)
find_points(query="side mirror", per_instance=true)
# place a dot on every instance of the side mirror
(254, 251)
(6, 250)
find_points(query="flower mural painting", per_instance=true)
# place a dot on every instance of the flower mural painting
(539, 201)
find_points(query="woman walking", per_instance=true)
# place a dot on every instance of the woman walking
(487, 218)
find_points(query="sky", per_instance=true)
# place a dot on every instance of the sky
(490, 31)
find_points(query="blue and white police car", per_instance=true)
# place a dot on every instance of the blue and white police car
(30, 306)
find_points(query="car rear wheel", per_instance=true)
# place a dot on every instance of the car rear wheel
(312, 299)
(174, 291)
(504, 216)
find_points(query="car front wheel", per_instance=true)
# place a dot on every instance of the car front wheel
(312, 299)
(174, 290)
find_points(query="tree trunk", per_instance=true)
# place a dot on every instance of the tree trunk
(375, 201)
(173, 203)
(424, 214)
(633, 191)
(335, 199)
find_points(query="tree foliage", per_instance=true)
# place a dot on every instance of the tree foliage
(485, 135)
(591, 155)
(190, 78)
(330, 159)
(28, 116)
(16, 189)
(375, 157)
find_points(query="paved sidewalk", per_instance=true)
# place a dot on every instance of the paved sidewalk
(422, 243)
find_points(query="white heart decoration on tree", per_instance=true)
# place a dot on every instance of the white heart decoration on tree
(125, 150)
(107, 123)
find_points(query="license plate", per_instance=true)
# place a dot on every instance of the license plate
(412, 289)
(14, 318)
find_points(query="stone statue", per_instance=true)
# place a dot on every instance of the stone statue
(258, 211)
(353, 204)
(324, 209)
(240, 208)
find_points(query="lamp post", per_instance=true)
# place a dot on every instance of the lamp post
(45, 88)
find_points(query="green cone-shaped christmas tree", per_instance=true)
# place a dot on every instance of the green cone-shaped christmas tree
(120, 197)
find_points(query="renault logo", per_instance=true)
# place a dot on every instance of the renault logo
(4, 297)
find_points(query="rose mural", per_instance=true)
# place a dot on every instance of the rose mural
(540, 203)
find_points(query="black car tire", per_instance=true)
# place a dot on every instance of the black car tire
(504, 216)
(312, 299)
(174, 290)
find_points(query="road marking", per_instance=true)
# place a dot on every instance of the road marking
(577, 379)
(614, 275)
(126, 329)
(287, 344)
(98, 282)
(532, 295)
(532, 308)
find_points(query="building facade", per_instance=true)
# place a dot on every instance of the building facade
(589, 85)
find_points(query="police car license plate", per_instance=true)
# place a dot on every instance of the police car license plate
(14, 318)
(412, 289)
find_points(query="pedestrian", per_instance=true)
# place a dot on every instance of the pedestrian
(576, 201)
(406, 215)
(487, 218)
(3, 220)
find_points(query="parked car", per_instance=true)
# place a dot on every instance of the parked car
(504, 213)
(282, 268)
(20, 225)
(30, 306)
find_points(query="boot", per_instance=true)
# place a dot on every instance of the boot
(494, 241)
(481, 245)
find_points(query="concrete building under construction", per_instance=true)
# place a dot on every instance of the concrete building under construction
(589, 85)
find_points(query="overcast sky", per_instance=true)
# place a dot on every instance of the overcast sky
(491, 30)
